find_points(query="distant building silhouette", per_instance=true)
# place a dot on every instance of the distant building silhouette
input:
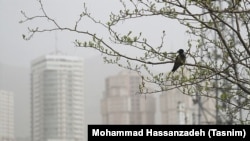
(57, 98)
(178, 108)
(6, 116)
(121, 105)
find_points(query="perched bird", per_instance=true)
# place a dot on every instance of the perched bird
(179, 60)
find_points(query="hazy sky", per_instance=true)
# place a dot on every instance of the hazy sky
(15, 51)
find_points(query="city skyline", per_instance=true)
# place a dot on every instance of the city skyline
(16, 53)
(93, 65)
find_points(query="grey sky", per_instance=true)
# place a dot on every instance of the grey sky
(15, 51)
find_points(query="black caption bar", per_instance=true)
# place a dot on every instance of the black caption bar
(114, 132)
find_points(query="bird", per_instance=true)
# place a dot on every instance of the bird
(179, 60)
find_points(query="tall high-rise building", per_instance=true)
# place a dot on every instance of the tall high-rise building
(6, 116)
(178, 108)
(57, 98)
(121, 104)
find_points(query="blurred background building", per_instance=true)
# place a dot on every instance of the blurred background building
(57, 98)
(120, 103)
(6, 116)
(178, 108)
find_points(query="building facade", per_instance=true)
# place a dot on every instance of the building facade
(178, 108)
(6, 116)
(57, 98)
(122, 105)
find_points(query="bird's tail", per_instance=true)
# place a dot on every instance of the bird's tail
(174, 69)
